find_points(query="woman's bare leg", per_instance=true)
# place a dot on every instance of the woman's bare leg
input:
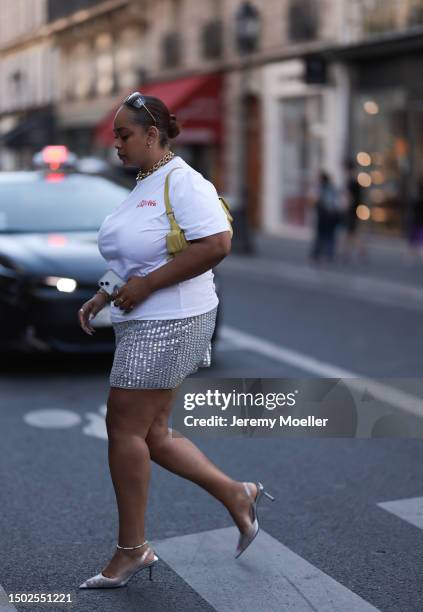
(179, 455)
(137, 427)
(130, 413)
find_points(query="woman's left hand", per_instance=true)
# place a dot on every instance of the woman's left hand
(133, 292)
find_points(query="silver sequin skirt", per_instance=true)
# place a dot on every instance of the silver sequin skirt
(160, 354)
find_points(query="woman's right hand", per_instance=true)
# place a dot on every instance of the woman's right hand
(89, 310)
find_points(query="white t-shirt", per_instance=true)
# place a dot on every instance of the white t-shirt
(132, 239)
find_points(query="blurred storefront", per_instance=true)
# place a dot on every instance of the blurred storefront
(77, 121)
(386, 129)
(300, 120)
(196, 102)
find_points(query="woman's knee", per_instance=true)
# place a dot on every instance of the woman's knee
(157, 433)
(137, 412)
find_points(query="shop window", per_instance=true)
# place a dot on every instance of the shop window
(415, 16)
(171, 50)
(57, 9)
(303, 20)
(212, 39)
(301, 155)
(379, 15)
(381, 149)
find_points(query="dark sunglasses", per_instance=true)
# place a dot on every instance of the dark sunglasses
(137, 100)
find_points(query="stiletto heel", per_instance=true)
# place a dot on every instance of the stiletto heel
(103, 582)
(269, 496)
(245, 539)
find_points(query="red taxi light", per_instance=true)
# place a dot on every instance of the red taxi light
(57, 240)
(54, 155)
(54, 177)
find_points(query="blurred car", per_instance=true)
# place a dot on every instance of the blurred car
(49, 259)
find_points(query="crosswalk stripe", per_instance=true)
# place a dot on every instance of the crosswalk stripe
(390, 395)
(268, 576)
(410, 510)
(5, 606)
(223, 345)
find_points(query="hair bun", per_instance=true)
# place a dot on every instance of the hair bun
(174, 127)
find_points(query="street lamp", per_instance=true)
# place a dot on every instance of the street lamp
(247, 28)
(247, 32)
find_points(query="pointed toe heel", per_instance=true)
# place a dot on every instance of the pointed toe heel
(103, 582)
(245, 539)
(268, 495)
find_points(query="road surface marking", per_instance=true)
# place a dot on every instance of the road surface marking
(52, 418)
(366, 288)
(222, 345)
(410, 510)
(394, 397)
(96, 423)
(268, 576)
(5, 606)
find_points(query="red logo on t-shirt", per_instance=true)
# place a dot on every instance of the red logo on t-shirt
(147, 203)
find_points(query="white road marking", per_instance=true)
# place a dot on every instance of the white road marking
(410, 510)
(370, 289)
(5, 606)
(59, 419)
(223, 345)
(52, 418)
(97, 424)
(394, 397)
(267, 576)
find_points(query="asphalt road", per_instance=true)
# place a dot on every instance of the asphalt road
(345, 530)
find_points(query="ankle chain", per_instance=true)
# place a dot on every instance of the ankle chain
(131, 547)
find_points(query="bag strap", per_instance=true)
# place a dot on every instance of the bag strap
(169, 211)
(227, 212)
(171, 216)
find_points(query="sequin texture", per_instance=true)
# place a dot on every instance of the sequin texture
(160, 354)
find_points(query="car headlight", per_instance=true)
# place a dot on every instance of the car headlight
(67, 285)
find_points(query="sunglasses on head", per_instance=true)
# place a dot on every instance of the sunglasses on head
(137, 100)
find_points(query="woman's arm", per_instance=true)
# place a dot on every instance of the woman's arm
(201, 255)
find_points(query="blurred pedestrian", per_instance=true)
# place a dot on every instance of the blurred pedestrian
(352, 243)
(327, 218)
(164, 330)
(415, 225)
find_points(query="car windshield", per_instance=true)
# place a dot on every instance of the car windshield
(74, 203)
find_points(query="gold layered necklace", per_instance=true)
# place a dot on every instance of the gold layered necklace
(142, 174)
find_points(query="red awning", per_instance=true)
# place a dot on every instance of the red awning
(196, 102)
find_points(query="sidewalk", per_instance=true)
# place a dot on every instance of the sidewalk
(388, 258)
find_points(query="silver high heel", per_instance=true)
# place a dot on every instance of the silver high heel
(245, 539)
(103, 582)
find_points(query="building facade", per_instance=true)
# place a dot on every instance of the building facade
(102, 50)
(384, 58)
(27, 71)
(325, 80)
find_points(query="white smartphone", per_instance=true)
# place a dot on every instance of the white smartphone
(111, 282)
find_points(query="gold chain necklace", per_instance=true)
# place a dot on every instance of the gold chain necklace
(164, 160)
